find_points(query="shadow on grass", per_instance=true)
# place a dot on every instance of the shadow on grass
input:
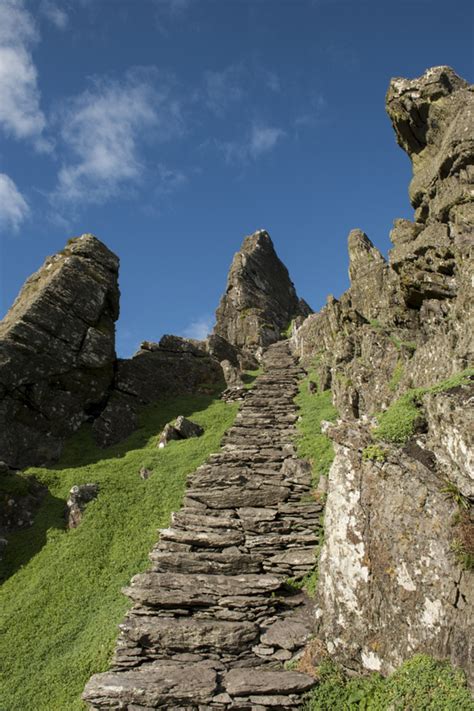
(25, 543)
(81, 449)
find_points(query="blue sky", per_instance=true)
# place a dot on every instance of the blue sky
(172, 128)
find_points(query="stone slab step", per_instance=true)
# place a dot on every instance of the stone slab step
(181, 590)
(154, 685)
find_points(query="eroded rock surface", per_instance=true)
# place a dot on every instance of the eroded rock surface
(57, 349)
(390, 584)
(260, 300)
(399, 520)
(213, 621)
(173, 366)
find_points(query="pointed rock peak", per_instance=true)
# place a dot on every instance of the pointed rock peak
(260, 300)
(408, 103)
(362, 254)
(259, 239)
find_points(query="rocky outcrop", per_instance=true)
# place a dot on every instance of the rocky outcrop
(181, 428)
(399, 523)
(260, 300)
(390, 584)
(214, 620)
(57, 351)
(79, 496)
(173, 366)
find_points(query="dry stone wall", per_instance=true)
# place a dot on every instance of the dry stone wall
(214, 620)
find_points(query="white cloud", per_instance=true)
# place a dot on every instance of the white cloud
(20, 113)
(263, 139)
(200, 328)
(13, 206)
(222, 89)
(259, 140)
(55, 14)
(102, 131)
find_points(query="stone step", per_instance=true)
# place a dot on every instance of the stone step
(211, 563)
(154, 685)
(181, 590)
(213, 621)
(164, 635)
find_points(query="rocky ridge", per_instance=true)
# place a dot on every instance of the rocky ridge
(391, 583)
(213, 620)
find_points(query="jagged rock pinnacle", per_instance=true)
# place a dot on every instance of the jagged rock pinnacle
(260, 299)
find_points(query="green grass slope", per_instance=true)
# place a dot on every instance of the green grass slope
(61, 602)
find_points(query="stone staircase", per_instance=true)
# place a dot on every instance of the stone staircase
(215, 619)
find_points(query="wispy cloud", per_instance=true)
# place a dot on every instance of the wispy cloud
(312, 113)
(200, 328)
(224, 88)
(102, 132)
(20, 113)
(259, 140)
(55, 14)
(13, 206)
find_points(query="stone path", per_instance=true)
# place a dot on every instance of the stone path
(214, 620)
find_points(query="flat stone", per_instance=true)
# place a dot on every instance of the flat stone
(288, 634)
(191, 635)
(244, 682)
(179, 590)
(157, 684)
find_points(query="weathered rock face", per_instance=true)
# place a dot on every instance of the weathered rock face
(260, 299)
(413, 313)
(391, 583)
(174, 365)
(57, 351)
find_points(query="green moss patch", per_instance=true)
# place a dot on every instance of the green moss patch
(62, 601)
(420, 684)
(312, 444)
(401, 419)
(374, 453)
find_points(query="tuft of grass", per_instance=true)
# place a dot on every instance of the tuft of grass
(287, 332)
(401, 419)
(249, 376)
(397, 375)
(62, 601)
(420, 684)
(452, 492)
(374, 453)
(312, 444)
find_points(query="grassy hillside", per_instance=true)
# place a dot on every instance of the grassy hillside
(61, 601)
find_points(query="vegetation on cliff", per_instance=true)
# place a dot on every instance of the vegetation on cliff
(420, 683)
(61, 603)
(314, 445)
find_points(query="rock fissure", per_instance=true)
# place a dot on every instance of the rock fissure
(214, 619)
